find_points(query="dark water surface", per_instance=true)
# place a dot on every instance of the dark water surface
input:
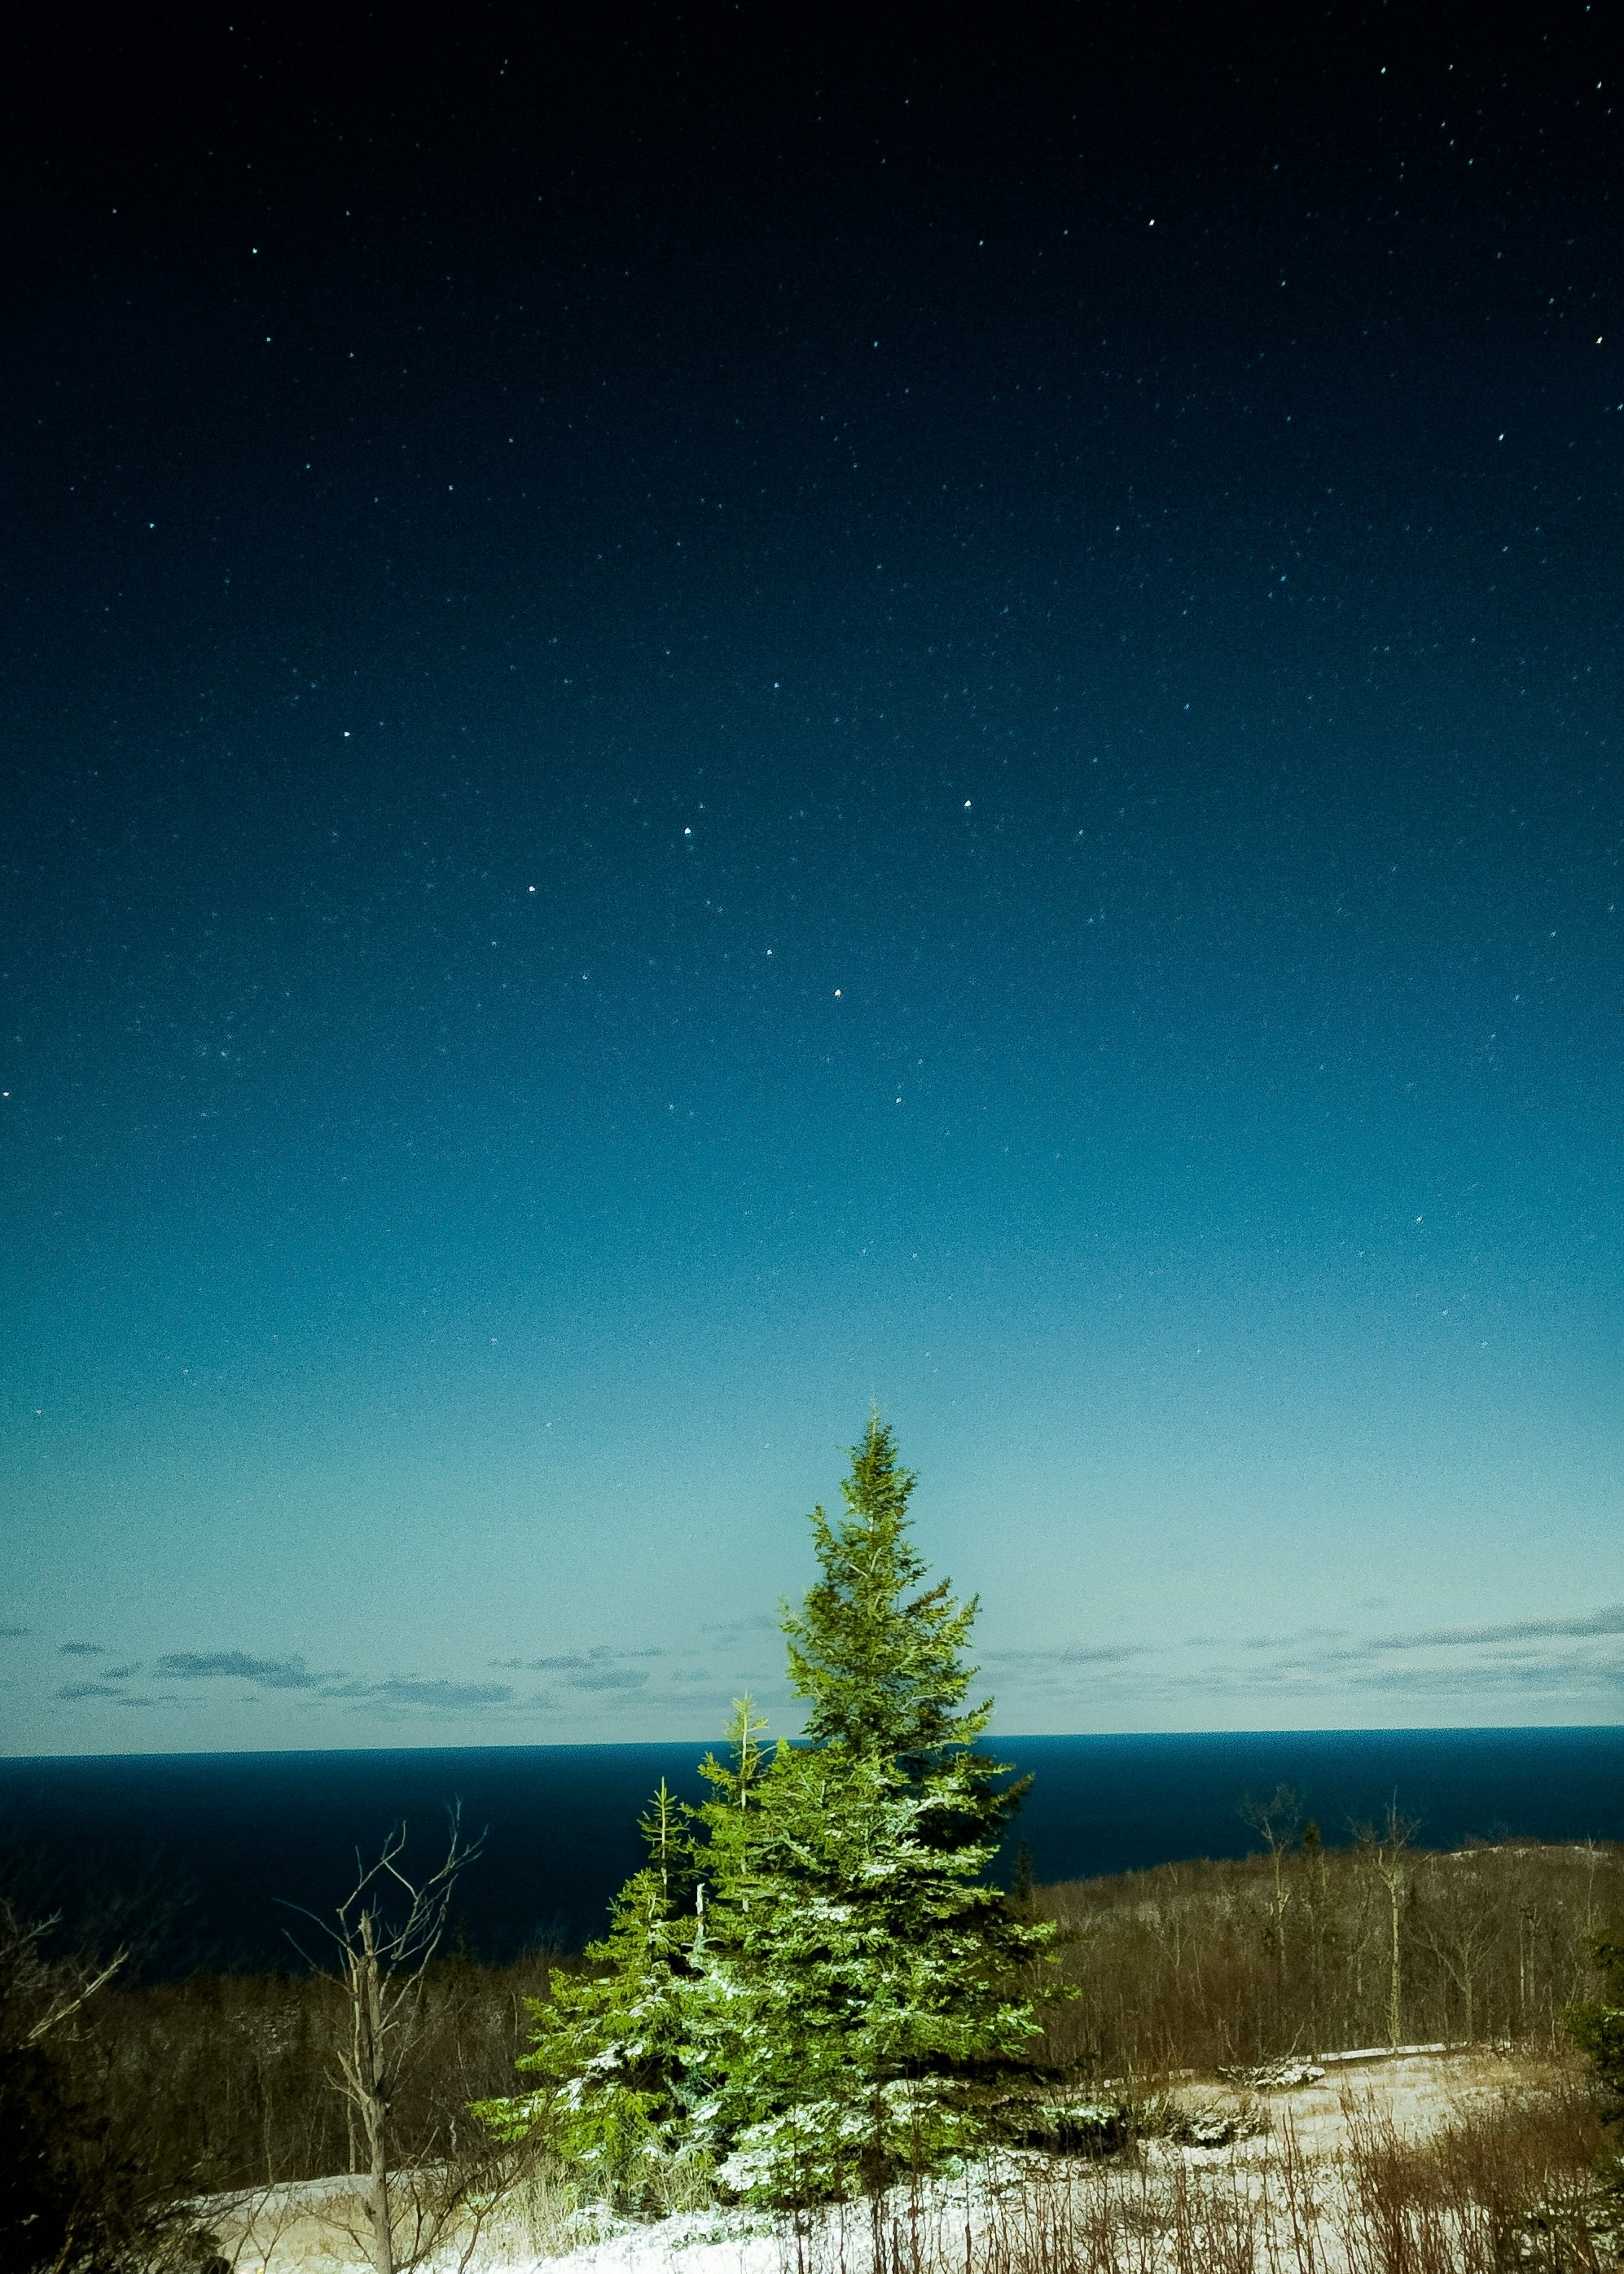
(239, 1830)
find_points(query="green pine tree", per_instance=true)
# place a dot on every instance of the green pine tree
(613, 2095)
(859, 2002)
(813, 1982)
(1596, 2025)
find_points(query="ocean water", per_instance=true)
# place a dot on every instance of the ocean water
(242, 1836)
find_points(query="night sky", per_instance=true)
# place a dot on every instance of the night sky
(717, 713)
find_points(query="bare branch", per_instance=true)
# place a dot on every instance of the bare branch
(63, 2005)
(380, 1965)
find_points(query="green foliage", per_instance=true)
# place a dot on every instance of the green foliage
(608, 2050)
(860, 1999)
(861, 1995)
(1596, 2026)
(880, 1668)
(813, 1982)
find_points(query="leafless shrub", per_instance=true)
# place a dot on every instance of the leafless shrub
(1512, 2182)
(224, 2077)
(80, 2194)
(1509, 2182)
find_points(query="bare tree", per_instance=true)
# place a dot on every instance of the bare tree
(388, 1929)
(1277, 1822)
(1458, 1924)
(56, 1991)
(1386, 1846)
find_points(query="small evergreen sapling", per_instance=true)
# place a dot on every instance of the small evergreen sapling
(609, 2049)
(1596, 2025)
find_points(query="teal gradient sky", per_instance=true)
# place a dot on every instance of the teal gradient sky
(943, 733)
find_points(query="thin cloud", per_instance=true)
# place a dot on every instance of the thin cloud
(236, 1665)
(106, 1676)
(1508, 1673)
(443, 1697)
(586, 1669)
(1559, 1677)
(1309, 1649)
(1303, 1635)
(1607, 1620)
(704, 1706)
(1070, 1654)
(418, 1690)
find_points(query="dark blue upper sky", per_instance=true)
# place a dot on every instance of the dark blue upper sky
(713, 713)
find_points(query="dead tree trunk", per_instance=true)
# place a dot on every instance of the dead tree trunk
(380, 1968)
(1387, 1845)
(366, 2080)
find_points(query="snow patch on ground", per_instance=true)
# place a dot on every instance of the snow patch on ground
(724, 2243)
(316, 2226)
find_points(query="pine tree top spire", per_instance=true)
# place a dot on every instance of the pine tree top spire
(736, 1782)
(875, 1652)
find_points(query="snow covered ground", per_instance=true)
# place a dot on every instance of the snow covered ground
(1004, 2216)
